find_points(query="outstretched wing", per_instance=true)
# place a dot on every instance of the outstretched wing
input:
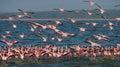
(105, 18)
(21, 10)
(31, 12)
(15, 41)
(3, 41)
(117, 5)
(98, 5)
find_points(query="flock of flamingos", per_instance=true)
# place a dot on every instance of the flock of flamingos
(93, 50)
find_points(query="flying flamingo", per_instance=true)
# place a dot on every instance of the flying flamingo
(44, 39)
(65, 34)
(58, 22)
(35, 25)
(94, 24)
(9, 43)
(72, 20)
(14, 26)
(101, 37)
(22, 35)
(60, 9)
(20, 16)
(25, 14)
(93, 43)
(32, 27)
(10, 18)
(3, 36)
(118, 5)
(87, 23)
(89, 13)
(118, 45)
(7, 34)
(109, 22)
(118, 19)
(92, 3)
(82, 29)
(102, 11)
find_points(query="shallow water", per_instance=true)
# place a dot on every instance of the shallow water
(71, 62)
(79, 39)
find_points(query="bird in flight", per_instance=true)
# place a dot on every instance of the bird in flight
(9, 43)
(25, 14)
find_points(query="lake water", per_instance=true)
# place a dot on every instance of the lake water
(68, 27)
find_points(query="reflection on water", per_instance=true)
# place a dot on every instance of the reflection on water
(69, 62)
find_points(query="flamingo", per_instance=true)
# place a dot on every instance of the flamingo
(94, 24)
(14, 26)
(60, 9)
(92, 3)
(65, 34)
(72, 20)
(87, 23)
(58, 22)
(9, 43)
(37, 54)
(118, 18)
(82, 29)
(5, 56)
(43, 38)
(32, 29)
(93, 43)
(89, 13)
(22, 35)
(10, 18)
(56, 37)
(102, 11)
(110, 23)
(105, 19)
(25, 14)
(101, 37)
(22, 55)
(53, 27)
(35, 25)
(3, 36)
(20, 16)
(7, 34)
(117, 5)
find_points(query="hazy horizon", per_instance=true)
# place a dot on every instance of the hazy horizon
(54, 11)
(49, 5)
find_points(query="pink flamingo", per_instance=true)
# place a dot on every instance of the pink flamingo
(93, 43)
(101, 37)
(65, 34)
(9, 43)
(25, 14)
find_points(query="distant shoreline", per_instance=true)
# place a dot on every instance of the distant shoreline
(56, 19)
